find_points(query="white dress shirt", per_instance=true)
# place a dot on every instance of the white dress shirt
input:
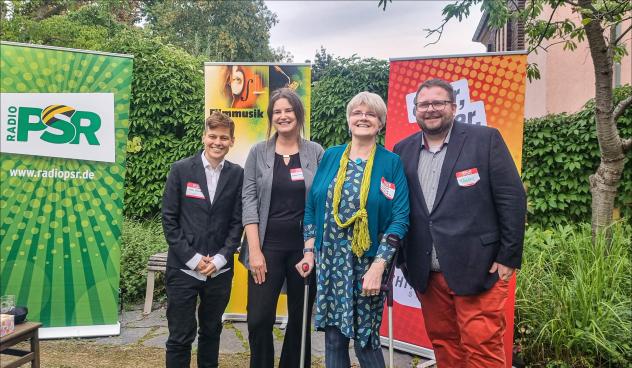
(212, 177)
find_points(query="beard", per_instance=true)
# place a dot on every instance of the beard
(444, 126)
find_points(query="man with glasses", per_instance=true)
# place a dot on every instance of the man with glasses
(467, 212)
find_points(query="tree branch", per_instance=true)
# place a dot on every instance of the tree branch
(618, 111)
(438, 30)
(548, 24)
(621, 35)
(626, 145)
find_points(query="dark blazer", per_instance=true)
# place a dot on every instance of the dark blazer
(193, 225)
(471, 226)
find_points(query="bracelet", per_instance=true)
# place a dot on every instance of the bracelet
(308, 250)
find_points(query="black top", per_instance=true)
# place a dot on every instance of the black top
(287, 205)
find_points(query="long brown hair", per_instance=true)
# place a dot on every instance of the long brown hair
(295, 102)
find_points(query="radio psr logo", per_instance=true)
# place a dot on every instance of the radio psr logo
(68, 125)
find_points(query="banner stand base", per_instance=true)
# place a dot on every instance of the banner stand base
(79, 331)
(409, 348)
(238, 317)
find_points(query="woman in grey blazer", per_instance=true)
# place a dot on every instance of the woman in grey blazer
(278, 174)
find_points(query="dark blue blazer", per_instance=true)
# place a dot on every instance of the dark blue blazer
(192, 225)
(471, 226)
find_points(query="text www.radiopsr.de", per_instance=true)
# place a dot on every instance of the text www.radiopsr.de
(53, 174)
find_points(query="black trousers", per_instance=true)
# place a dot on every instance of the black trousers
(262, 302)
(182, 297)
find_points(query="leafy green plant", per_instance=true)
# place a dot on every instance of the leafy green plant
(573, 302)
(560, 152)
(140, 240)
(342, 79)
(166, 116)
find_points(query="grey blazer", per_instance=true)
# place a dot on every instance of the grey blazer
(256, 191)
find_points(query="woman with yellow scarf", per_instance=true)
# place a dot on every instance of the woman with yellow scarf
(359, 198)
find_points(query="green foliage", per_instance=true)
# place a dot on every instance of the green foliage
(166, 116)
(573, 304)
(560, 152)
(58, 30)
(220, 30)
(140, 240)
(322, 60)
(342, 79)
(63, 23)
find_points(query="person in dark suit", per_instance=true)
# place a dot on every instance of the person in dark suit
(467, 216)
(201, 217)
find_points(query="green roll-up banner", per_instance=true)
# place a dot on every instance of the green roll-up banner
(64, 120)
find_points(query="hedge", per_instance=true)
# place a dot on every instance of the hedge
(166, 116)
(560, 152)
(140, 240)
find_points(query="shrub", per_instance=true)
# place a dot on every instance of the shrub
(140, 240)
(166, 116)
(339, 82)
(573, 302)
(560, 153)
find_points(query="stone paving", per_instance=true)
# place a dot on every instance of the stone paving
(151, 330)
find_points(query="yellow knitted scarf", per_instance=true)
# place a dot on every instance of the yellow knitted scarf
(361, 238)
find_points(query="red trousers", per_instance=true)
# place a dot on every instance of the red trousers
(465, 331)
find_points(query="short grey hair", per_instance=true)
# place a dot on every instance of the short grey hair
(371, 100)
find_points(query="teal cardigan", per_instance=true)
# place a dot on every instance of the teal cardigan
(386, 216)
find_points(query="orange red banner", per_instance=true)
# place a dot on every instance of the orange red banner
(490, 90)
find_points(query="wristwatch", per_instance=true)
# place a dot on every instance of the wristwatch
(308, 250)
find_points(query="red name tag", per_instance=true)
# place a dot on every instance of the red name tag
(297, 174)
(467, 178)
(194, 191)
(388, 189)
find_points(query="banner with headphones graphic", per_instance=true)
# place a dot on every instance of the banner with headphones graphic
(242, 91)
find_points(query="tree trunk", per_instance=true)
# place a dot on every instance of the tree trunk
(605, 182)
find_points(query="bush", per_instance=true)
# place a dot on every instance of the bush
(140, 240)
(166, 116)
(560, 153)
(573, 302)
(342, 79)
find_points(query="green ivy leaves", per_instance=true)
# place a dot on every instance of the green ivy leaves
(560, 152)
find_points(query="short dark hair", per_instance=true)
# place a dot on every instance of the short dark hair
(218, 119)
(295, 102)
(436, 82)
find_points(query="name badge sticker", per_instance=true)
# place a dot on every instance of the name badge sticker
(297, 174)
(467, 178)
(388, 189)
(194, 191)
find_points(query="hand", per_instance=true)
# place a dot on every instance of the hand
(308, 259)
(209, 270)
(202, 264)
(258, 267)
(504, 272)
(372, 279)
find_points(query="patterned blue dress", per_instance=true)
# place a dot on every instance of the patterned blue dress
(339, 302)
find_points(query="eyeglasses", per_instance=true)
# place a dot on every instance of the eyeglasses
(436, 105)
(360, 114)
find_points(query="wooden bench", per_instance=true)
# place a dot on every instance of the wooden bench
(23, 331)
(156, 263)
